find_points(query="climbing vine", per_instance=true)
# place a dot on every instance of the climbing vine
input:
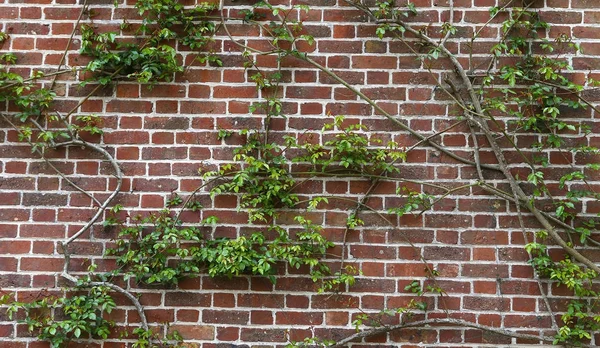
(268, 173)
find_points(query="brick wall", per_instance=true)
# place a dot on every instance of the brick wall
(162, 136)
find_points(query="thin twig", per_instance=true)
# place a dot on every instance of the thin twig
(450, 22)
(51, 165)
(64, 55)
(33, 78)
(516, 190)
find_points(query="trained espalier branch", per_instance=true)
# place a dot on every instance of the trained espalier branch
(49, 140)
(259, 172)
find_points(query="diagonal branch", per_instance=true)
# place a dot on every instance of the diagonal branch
(517, 191)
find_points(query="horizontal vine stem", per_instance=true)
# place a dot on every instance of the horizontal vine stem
(438, 322)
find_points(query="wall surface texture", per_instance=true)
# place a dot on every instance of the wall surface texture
(162, 136)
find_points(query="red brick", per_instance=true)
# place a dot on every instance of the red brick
(260, 300)
(299, 318)
(129, 106)
(225, 317)
(186, 299)
(263, 335)
(194, 332)
(369, 62)
(41, 264)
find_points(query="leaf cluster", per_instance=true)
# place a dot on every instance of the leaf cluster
(155, 59)
(580, 319)
(63, 319)
(350, 149)
(264, 181)
(159, 249)
(24, 93)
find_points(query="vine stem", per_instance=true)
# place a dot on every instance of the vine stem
(448, 193)
(529, 255)
(100, 210)
(567, 90)
(428, 268)
(375, 181)
(428, 138)
(118, 174)
(355, 212)
(67, 256)
(507, 196)
(43, 157)
(520, 215)
(197, 189)
(422, 138)
(307, 59)
(65, 245)
(438, 321)
(450, 22)
(390, 117)
(64, 55)
(345, 174)
(81, 102)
